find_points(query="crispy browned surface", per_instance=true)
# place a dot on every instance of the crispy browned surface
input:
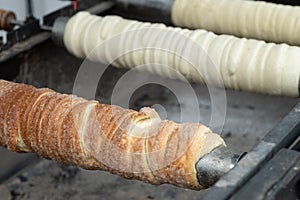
(135, 145)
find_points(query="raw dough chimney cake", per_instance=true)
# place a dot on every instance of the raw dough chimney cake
(241, 64)
(251, 19)
(134, 145)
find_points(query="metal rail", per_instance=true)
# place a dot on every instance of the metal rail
(282, 136)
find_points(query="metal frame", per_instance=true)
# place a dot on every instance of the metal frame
(240, 181)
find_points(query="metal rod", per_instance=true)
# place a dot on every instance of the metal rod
(16, 22)
(101, 7)
(211, 167)
(29, 9)
(163, 5)
(154, 10)
(58, 30)
(46, 28)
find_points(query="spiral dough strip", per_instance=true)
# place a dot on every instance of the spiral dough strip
(201, 56)
(134, 145)
(243, 18)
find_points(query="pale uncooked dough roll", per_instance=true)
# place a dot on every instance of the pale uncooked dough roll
(250, 19)
(199, 55)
